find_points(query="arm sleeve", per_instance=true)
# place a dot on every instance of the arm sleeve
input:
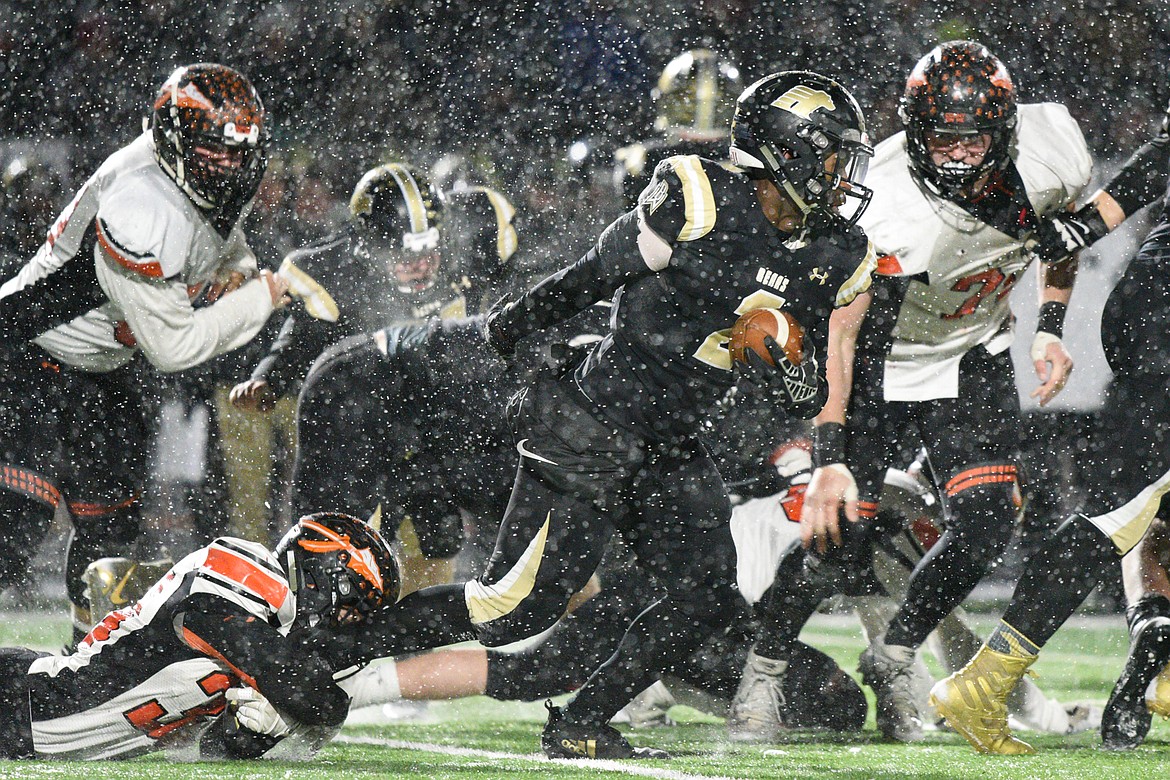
(1142, 180)
(615, 260)
(172, 334)
(300, 341)
(292, 681)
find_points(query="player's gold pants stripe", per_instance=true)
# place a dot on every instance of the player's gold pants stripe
(487, 602)
(1127, 524)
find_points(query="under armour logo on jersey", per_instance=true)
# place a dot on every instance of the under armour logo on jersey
(772, 279)
(802, 101)
(818, 275)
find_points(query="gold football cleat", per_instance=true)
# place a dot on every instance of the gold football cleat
(974, 701)
(1158, 694)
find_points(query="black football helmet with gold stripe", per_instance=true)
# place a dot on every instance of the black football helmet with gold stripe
(399, 213)
(806, 133)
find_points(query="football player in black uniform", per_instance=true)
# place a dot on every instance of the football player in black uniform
(409, 253)
(695, 99)
(1129, 471)
(203, 664)
(609, 442)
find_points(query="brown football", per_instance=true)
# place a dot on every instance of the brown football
(750, 329)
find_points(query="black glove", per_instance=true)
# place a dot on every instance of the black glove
(797, 389)
(1060, 237)
(499, 337)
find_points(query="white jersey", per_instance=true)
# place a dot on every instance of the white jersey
(141, 680)
(121, 268)
(961, 269)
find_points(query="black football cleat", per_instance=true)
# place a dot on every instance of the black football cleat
(1126, 719)
(562, 738)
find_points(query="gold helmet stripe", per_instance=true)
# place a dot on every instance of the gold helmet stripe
(415, 206)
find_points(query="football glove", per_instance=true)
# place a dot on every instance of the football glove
(498, 337)
(254, 713)
(1060, 237)
(796, 388)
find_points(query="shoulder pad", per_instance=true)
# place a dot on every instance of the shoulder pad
(679, 202)
(143, 231)
(317, 301)
(506, 238)
(860, 276)
(244, 573)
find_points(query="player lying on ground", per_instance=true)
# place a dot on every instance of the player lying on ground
(1129, 470)
(202, 665)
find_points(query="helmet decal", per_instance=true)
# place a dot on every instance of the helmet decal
(803, 100)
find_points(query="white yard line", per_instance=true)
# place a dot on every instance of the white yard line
(600, 765)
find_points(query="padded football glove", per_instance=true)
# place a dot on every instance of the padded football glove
(797, 389)
(1060, 237)
(255, 713)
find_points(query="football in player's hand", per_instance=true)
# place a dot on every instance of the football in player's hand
(750, 330)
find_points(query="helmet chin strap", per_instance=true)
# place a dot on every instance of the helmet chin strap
(794, 196)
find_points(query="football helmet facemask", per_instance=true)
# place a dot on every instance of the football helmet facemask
(958, 89)
(399, 213)
(340, 569)
(695, 96)
(805, 133)
(211, 135)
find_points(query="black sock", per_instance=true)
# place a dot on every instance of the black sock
(1058, 577)
(1151, 605)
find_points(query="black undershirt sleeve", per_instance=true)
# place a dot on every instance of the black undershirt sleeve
(613, 262)
(1142, 179)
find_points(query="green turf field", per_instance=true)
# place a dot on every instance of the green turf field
(480, 738)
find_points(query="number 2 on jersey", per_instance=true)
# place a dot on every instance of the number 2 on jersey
(713, 350)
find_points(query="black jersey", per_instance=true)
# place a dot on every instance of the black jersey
(1135, 326)
(340, 290)
(665, 360)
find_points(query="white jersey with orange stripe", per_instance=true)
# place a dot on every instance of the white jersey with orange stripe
(140, 680)
(960, 268)
(122, 268)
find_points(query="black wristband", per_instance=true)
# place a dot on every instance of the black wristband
(828, 444)
(1092, 219)
(1052, 318)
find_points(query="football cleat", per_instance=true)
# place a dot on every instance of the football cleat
(888, 670)
(757, 710)
(563, 738)
(1158, 694)
(973, 701)
(1126, 720)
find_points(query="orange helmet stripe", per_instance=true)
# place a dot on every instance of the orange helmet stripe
(361, 561)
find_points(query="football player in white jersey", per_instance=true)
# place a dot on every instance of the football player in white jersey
(203, 665)
(960, 198)
(147, 258)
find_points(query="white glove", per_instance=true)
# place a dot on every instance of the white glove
(255, 713)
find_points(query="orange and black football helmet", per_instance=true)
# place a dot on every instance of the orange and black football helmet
(211, 135)
(959, 88)
(340, 568)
